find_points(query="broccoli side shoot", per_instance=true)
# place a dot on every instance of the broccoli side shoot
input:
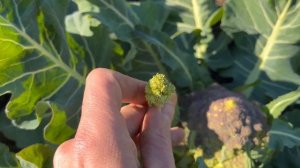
(158, 90)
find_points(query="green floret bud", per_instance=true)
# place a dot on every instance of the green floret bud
(158, 90)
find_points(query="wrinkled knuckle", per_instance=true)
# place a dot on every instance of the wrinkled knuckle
(83, 142)
(60, 154)
(161, 135)
(63, 152)
(68, 154)
(153, 138)
(80, 146)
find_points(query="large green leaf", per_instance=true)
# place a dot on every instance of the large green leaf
(283, 135)
(150, 50)
(56, 131)
(180, 63)
(21, 137)
(152, 14)
(7, 159)
(286, 158)
(293, 117)
(40, 62)
(218, 56)
(36, 156)
(266, 36)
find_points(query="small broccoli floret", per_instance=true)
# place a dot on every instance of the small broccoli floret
(158, 90)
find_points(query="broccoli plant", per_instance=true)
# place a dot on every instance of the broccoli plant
(226, 126)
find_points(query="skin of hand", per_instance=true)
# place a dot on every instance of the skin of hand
(111, 136)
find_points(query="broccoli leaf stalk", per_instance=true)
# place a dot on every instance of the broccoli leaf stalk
(158, 90)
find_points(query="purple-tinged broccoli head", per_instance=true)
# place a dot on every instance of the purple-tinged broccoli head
(224, 120)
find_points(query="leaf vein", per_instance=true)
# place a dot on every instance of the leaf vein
(274, 132)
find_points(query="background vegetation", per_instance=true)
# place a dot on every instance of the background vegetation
(49, 46)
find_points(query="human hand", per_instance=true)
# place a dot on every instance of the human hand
(109, 135)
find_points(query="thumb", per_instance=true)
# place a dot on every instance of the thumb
(156, 144)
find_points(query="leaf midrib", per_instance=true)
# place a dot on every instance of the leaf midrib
(196, 12)
(131, 25)
(271, 41)
(284, 134)
(281, 103)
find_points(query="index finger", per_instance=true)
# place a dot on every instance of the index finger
(105, 90)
